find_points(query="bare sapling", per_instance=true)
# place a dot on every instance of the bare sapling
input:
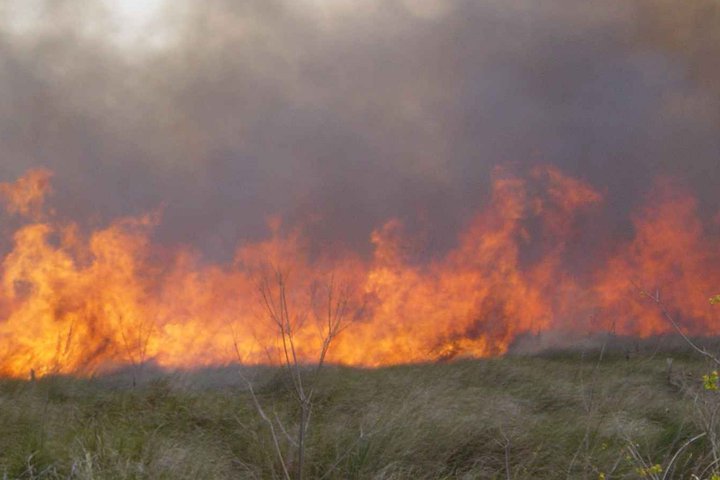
(328, 311)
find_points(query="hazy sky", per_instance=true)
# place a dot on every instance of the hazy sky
(340, 114)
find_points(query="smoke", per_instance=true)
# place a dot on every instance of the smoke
(337, 115)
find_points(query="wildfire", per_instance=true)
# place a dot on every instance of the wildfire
(83, 303)
(26, 196)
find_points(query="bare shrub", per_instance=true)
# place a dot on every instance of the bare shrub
(329, 311)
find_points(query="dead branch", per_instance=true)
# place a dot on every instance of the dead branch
(668, 316)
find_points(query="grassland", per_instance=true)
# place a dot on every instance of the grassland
(560, 415)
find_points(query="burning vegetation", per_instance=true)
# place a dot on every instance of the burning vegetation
(81, 301)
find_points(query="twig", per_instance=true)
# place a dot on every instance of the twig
(507, 455)
(261, 412)
(663, 309)
(677, 453)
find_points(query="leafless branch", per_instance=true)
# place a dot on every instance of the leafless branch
(263, 415)
(668, 316)
(275, 298)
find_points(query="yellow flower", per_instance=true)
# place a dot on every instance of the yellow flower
(648, 471)
(710, 382)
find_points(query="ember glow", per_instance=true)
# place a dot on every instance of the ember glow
(81, 302)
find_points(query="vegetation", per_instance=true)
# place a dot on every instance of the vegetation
(609, 413)
(329, 315)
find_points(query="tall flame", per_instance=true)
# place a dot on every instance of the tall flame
(82, 303)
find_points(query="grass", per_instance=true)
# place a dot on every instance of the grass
(558, 415)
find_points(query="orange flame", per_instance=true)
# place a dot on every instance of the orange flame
(673, 256)
(26, 195)
(74, 303)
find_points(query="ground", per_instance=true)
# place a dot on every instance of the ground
(570, 414)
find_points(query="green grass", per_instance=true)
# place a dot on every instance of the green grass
(560, 415)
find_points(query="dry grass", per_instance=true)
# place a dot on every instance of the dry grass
(551, 416)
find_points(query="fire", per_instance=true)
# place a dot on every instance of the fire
(674, 257)
(26, 196)
(81, 303)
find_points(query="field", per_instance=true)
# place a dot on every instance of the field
(562, 414)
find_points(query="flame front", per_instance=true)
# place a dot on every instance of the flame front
(73, 302)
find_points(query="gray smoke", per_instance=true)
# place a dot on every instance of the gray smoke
(337, 115)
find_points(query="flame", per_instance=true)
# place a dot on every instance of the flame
(83, 303)
(673, 258)
(26, 196)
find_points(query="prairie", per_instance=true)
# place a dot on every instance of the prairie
(581, 413)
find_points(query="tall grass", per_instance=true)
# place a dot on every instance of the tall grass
(535, 417)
